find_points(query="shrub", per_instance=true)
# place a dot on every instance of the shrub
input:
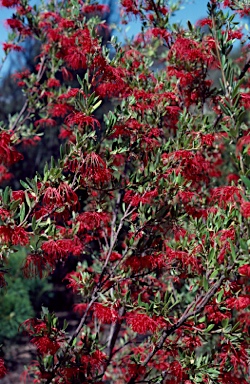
(21, 297)
(153, 198)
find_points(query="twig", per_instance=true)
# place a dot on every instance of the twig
(245, 69)
(26, 104)
(187, 314)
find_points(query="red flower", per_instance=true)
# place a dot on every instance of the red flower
(5, 234)
(95, 361)
(131, 6)
(71, 93)
(61, 196)
(33, 326)
(105, 314)
(186, 50)
(244, 270)
(90, 221)
(58, 249)
(34, 266)
(75, 281)
(141, 323)
(3, 370)
(9, 3)
(45, 345)
(81, 119)
(69, 197)
(191, 342)
(203, 22)
(14, 24)
(8, 154)
(76, 58)
(185, 259)
(100, 8)
(53, 83)
(243, 141)
(20, 236)
(245, 209)
(94, 169)
(135, 199)
(59, 109)
(4, 174)
(45, 122)
(138, 263)
(80, 308)
(239, 303)
(225, 195)
(12, 47)
(4, 214)
(66, 133)
(115, 256)
(214, 314)
(52, 198)
(134, 369)
(3, 282)
(31, 141)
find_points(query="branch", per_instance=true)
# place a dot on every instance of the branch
(245, 69)
(114, 331)
(26, 104)
(187, 314)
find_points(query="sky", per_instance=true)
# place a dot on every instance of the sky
(194, 10)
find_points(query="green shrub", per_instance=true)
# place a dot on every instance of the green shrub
(22, 298)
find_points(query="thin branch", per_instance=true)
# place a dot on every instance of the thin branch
(245, 69)
(26, 104)
(187, 314)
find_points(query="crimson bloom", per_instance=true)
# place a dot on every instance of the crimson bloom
(45, 345)
(105, 314)
(3, 370)
(94, 169)
(81, 119)
(9, 3)
(244, 270)
(59, 249)
(12, 47)
(20, 236)
(8, 154)
(34, 265)
(141, 323)
(245, 209)
(240, 302)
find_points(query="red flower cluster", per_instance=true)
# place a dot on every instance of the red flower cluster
(55, 250)
(105, 314)
(141, 323)
(15, 235)
(3, 370)
(8, 154)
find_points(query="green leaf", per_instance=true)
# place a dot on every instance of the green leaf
(79, 80)
(14, 204)
(6, 195)
(234, 256)
(190, 26)
(97, 105)
(214, 274)
(246, 181)
(25, 185)
(220, 295)
(27, 199)
(34, 223)
(205, 283)
(209, 328)
(22, 212)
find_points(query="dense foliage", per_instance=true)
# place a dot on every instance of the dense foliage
(21, 298)
(152, 197)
